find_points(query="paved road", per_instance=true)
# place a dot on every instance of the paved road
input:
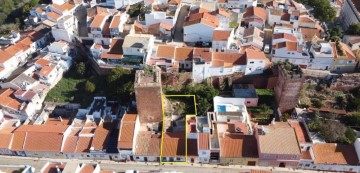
(120, 167)
(178, 33)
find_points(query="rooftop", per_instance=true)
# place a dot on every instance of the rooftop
(127, 130)
(331, 153)
(278, 138)
(147, 144)
(238, 146)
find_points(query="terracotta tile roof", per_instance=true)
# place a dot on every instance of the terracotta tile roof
(221, 35)
(348, 53)
(229, 59)
(18, 141)
(173, 144)
(276, 11)
(300, 131)
(255, 11)
(43, 141)
(306, 155)
(96, 23)
(126, 134)
(4, 56)
(101, 136)
(184, 53)
(238, 146)
(43, 62)
(26, 42)
(70, 144)
(165, 51)
(87, 168)
(46, 70)
(83, 145)
(287, 36)
(115, 22)
(203, 139)
(202, 17)
(5, 140)
(66, 6)
(279, 139)
(110, 56)
(290, 46)
(8, 100)
(53, 15)
(253, 54)
(174, 2)
(331, 153)
(217, 63)
(52, 168)
(147, 144)
(13, 50)
(309, 33)
(306, 19)
(166, 26)
(285, 17)
(204, 53)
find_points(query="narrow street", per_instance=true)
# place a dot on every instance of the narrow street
(178, 32)
(38, 163)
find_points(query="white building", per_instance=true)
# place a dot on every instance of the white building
(321, 56)
(65, 29)
(292, 52)
(199, 27)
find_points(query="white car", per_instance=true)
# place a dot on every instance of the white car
(267, 48)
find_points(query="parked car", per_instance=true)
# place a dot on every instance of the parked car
(267, 48)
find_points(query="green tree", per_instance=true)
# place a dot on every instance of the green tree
(34, 3)
(204, 95)
(334, 34)
(26, 8)
(120, 83)
(80, 69)
(350, 136)
(333, 131)
(316, 103)
(354, 29)
(352, 120)
(89, 86)
(322, 9)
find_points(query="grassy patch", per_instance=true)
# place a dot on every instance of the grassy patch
(266, 96)
(72, 89)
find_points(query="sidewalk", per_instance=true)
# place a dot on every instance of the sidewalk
(151, 165)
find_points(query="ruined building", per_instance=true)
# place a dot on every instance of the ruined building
(287, 89)
(148, 93)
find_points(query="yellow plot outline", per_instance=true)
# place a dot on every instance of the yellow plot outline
(163, 123)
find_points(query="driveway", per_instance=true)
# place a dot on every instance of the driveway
(178, 32)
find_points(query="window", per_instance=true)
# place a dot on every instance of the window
(87, 155)
(137, 157)
(163, 158)
(248, 102)
(203, 153)
(307, 165)
(178, 158)
(261, 61)
(349, 62)
(251, 62)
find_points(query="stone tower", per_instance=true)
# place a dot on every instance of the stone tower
(148, 93)
(287, 89)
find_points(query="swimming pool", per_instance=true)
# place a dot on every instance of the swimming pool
(221, 108)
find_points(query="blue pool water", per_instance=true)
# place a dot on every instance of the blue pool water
(221, 108)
